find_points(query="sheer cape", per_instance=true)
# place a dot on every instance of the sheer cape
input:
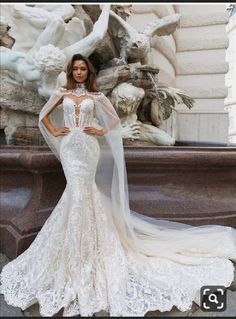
(143, 235)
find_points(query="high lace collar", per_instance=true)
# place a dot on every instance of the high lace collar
(80, 88)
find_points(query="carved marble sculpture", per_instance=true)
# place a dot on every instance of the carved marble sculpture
(54, 33)
(27, 23)
(5, 39)
(126, 98)
(41, 66)
(124, 11)
(162, 101)
(134, 45)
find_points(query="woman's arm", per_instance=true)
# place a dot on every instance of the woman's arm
(46, 121)
(49, 125)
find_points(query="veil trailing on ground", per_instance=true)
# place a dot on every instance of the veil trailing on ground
(145, 236)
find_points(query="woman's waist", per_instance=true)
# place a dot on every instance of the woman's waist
(79, 130)
(75, 128)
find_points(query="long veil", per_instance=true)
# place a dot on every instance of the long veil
(145, 236)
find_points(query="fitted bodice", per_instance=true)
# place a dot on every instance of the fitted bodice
(78, 115)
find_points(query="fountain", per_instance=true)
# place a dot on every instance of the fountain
(195, 185)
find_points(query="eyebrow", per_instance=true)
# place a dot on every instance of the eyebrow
(79, 66)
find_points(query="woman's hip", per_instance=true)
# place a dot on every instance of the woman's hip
(79, 153)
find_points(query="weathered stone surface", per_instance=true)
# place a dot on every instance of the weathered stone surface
(17, 118)
(27, 136)
(3, 119)
(161, 45)
(159, 10)
(135, 73)
(202, 68)
(11, 120)
(92, 11)
(202, 92)
(104, 52)
(17, 97)
(213, 127)
(124, 11)
(197, 20)
(202, 43)
(82, 15)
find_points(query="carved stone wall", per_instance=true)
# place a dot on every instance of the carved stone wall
(193, 59)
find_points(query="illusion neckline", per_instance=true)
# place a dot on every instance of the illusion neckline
(78, 105)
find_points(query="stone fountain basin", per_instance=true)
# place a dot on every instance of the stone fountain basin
(194, 185)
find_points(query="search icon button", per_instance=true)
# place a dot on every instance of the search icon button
(213, 298)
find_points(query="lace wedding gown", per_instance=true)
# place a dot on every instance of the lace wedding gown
(77, 260)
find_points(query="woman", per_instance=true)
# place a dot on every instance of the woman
(93, 253)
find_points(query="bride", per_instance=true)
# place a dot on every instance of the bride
(93, 253)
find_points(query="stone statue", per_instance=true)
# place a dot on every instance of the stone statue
(5, 39)
(134, 45)
(126, 98)
(162, 100)
(27, 23)
(42, 65)
(53, 34)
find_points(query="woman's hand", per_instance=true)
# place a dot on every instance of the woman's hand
(63, 131)
(93, 131)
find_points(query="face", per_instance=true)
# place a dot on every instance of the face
(80, 71)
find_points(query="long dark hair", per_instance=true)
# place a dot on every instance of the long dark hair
(91, 78)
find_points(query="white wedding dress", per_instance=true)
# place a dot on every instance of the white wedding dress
(77, 260)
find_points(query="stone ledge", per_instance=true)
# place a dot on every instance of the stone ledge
(159, 10)
(203, 92)
(199, 20)
(196, 44)
(194, 185)
(202, 68)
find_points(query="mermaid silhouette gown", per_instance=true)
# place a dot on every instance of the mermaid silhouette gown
(77, 261)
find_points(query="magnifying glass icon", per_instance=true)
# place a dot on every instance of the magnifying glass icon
(213, 298)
